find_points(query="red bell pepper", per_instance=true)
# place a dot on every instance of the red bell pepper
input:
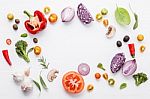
(35, 23)
(6, 56)
(132, 49)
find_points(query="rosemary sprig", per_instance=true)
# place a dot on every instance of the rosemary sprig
(42, 61)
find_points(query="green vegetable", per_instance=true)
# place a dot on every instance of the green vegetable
(37, 84)
(42, 61)
(30, 50)
(100, 65)
(43, 83)
(104, 11)
(123, 85)
(140, 78)
(122, 16)
(21, 50)
(24, 35)
(111, 82)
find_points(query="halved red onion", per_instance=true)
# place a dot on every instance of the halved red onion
(84, 69)
(129, 67)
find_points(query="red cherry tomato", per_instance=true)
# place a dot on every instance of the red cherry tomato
(73, 82)
(8, 41)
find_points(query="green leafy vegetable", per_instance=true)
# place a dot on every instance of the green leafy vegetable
(24, 35)
(136, 21)
(123, 85)
(37, 84)
(42, 61)
(43, 83)
(30, 50)
(140, 78)
(100, 65)
(21, 50)
(122, 16)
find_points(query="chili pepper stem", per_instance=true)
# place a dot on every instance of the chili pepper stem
(133, 56)
(28, 14)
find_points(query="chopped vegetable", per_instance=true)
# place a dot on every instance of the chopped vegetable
(67, 14)
(24, 35)
(52, 75)
(43, 83)
(105, 22)
(105, 76)
(122, 16)
(140, 37)
(17, 21)
(111, 82)
(117, 62)
(37, 84)
(21, 47)
(84, 15)
(129, 67)
(37, 50)
(6, 56)
(90, 87)
(47, 10)
(53, 18)
(99, 16)
(15, 27)
(142, 48)
(10, 16)
(42, 61)
(104, 11)
(132, 49)
(111, 31)
(97, 75)
(123, 85)
(8, 41)
(84, 69)
(140, 78)
(35, 23)
(100, 65)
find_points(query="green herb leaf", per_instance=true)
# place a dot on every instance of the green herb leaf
(24, 35)
(136, 21)
(100, 65)
(43, 83)
(30, 50)
(122, 16)
(42, 61)
(123, 85)
(37, 84)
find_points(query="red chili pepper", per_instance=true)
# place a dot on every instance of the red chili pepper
(132, 49)
(6, 56)
(35, 23)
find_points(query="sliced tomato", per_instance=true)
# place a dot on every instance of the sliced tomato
(73, 82)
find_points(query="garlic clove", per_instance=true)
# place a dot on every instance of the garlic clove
(111, 31)
(27, 72)
(18, 77)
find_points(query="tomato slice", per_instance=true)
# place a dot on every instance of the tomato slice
(73, 82)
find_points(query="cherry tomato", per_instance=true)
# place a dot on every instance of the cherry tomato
(37, 50)
(105, 76)
(8, 41)
(73, 82)
(53, 18)
(90, 87)
(97, 76)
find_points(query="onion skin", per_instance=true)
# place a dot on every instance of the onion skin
(117, 62)
(129, 67)
(67, 14)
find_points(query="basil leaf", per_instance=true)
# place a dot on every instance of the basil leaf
(123, 85)
(122, 16)
(37, 84)
(43, 83)
(136, 21)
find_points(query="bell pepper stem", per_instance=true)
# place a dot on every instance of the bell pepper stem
(28, 14)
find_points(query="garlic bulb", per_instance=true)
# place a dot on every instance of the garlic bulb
(27, 85)
(18, 77)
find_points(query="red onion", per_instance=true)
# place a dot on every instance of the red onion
(84, 69)
(67, 14)
(129, 67)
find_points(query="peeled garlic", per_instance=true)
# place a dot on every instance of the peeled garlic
(18, 77)
(27, 72)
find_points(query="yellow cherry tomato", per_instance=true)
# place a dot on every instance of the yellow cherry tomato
(90, 87)
(37, 50)
(47, 10)
(140, 37)
(142, 48)
(10, 16)
(99, 17)
(105, 76)
(53, 18)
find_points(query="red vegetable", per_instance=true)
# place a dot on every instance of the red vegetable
(132, 49)
(6, 56)
(35, 23)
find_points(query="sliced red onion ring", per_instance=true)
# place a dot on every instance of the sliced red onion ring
(84, 69)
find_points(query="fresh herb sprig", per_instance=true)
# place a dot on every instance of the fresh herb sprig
(43, 62)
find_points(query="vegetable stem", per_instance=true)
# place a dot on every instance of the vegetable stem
(28, 14)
